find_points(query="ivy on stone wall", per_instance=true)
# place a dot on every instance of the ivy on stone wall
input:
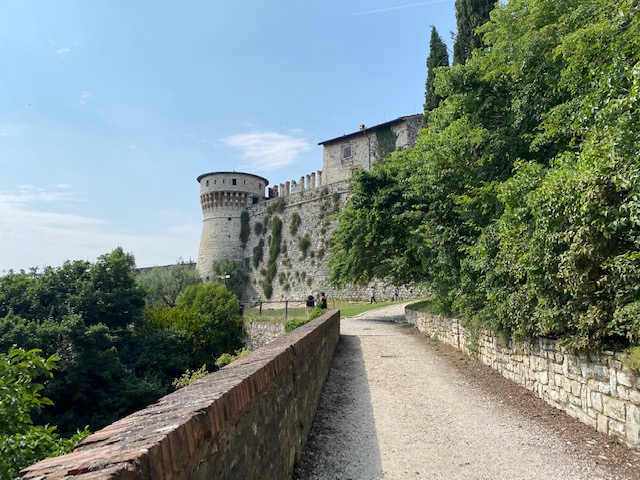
(258, 253)
(275, 245)
(303, 244)
(386, 140)
(257, 228)
(276, 206)
(296, 220)
(245, 229)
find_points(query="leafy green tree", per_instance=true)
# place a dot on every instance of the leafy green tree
(112, 295)
(370, 240)
(521, 195)
(232, 274)
(438, 57)
(104, 371)
(207, 317)
(162, 285)
(21, 442)
(470, 14)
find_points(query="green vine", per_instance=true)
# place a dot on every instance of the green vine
(276, 206)
(386, 142)
(296, 220)
(258, 253)
(303, 244)
(275, 245)
(245, 229)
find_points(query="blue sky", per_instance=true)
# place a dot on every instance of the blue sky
(109, 110)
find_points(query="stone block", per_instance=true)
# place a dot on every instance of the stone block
(634, 396)
(596, 401)
(617, 428)
(625, 379)
(623, 393)
(604, 388)
(595, 371)
(543, 378)
(633, 425)
(576, 388)
(614, 408)
(602, 423)
(613, 380)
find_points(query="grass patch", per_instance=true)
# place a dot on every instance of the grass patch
(425, 305)
(277, 315)
(351, 309)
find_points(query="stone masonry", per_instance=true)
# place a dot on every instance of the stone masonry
(595, 388)
(305, 208)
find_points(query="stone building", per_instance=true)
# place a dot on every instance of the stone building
(281, 233)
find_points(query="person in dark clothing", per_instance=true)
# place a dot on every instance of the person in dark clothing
(310, 304)
(323, 302)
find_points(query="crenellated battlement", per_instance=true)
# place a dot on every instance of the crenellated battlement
(308, 182)
(239, 210)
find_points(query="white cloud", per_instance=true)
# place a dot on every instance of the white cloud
(33, 235)
(265, 151)
(85, 98)
(62, 51)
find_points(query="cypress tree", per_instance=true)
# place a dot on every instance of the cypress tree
(470, 14)
(438, 57)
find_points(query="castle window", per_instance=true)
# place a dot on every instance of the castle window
(207, 183)
(346, 152)
(255, 200)
(259, 185)
(234, 181)
(228, 218)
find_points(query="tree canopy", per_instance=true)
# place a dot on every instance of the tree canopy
(518, 205)
(470, 14)
(438, 57)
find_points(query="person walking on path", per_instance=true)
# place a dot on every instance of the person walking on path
(395, 406)
(373, 295)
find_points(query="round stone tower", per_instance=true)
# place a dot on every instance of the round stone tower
(224, 196)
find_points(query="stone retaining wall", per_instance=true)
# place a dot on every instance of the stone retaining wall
(258, 334)
(248, 420)
(595, 388)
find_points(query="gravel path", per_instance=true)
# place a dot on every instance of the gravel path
(398, 406)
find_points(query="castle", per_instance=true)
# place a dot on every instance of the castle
(280, 233)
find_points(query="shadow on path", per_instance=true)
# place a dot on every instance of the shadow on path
(343, 443)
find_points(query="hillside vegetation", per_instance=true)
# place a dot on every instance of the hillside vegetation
(88, 343)
(519, 206)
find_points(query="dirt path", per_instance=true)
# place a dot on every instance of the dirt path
(398, 406)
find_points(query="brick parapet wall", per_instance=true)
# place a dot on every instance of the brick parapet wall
(595, 388)
(248, 420)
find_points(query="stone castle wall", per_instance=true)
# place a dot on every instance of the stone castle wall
(595, 388)
(301, 264)
(305, 208)
(306, 227)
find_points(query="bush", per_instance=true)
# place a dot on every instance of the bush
(227, 358)
(189, 377)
